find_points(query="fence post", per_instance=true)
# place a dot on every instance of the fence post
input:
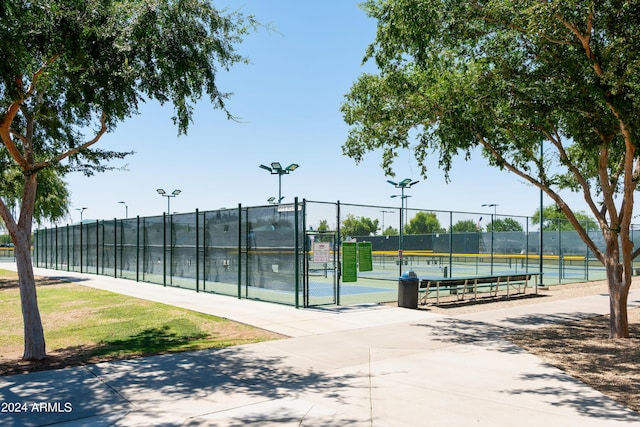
(297, 251)
(102, 247)
(68, 251)
(164, 249)
(115, 247)
(450, 243)
(56, 231)
(137, 248)
(204, 252)
(305, 259)
(97, 247)
(338, 245)
(239, 251)
(81, 248)
(197, 251)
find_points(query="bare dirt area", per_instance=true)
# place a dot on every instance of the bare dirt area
(581, 348)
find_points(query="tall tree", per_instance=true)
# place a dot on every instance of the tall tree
(423, 223)
(515, 79)
(504, 224)
(390, 231)
(323, 225)
(465, 226)
(554, 219)
(72, 68)
(358, 226)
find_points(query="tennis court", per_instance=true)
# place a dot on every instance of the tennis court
(277, 253)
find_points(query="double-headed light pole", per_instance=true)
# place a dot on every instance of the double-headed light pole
(402, 185)
(163, 193)
(81, 210)
(277, 169)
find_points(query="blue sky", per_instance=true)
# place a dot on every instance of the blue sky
(288, 101)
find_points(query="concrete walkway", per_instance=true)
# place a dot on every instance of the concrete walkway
(348, 366)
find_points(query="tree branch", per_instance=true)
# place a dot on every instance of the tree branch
(554, 196)
(584, 38)
(556, 140)
(12, 111)
(76, 150)
(5, 134)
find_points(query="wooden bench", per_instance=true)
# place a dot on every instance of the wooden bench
(471, 285)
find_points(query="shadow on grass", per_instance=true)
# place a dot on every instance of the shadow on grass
(149, 341)
(12, 282)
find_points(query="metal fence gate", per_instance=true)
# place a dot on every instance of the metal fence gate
(321, 268)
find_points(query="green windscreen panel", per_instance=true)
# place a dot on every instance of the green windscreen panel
(364, 256)
(349, 258)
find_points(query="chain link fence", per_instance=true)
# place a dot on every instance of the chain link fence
(313, 253)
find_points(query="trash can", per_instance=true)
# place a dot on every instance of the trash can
(408, 290)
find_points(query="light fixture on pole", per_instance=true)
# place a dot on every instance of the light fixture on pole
(163, 193)
(384, 212)
(126, 210)
(81, 211)
(493, 226)
(277, 169)
(402, 185)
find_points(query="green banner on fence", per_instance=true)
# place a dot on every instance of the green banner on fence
(349, 262)
(365, 262)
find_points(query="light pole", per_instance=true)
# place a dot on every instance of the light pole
(126, 210)
(384, 212)
(402, 185)
(493, 226)
(81, 211)
(541, 220)
(277, 169)
(163, 193)
(81, 245)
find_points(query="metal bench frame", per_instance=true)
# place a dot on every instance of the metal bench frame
(464, 286)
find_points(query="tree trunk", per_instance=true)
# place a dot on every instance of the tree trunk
(34, 346)
(618, 295)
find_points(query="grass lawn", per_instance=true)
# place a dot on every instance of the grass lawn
(84, 325)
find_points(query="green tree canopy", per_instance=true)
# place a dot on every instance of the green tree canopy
(504, 224)
(514, 79)
(323, 225)
(465, 226)
(554, 219)
(70, 71)
(358, 226)
(423, 223)
(390, 231)
(52, 195)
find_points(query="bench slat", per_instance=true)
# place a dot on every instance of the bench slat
(451, 284)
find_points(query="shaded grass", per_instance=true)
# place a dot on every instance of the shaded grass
(86, 325)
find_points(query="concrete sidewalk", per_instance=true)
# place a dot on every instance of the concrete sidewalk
(349, 366)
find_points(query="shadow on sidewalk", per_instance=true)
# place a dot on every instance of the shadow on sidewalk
(554, 386)
(206, 376)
